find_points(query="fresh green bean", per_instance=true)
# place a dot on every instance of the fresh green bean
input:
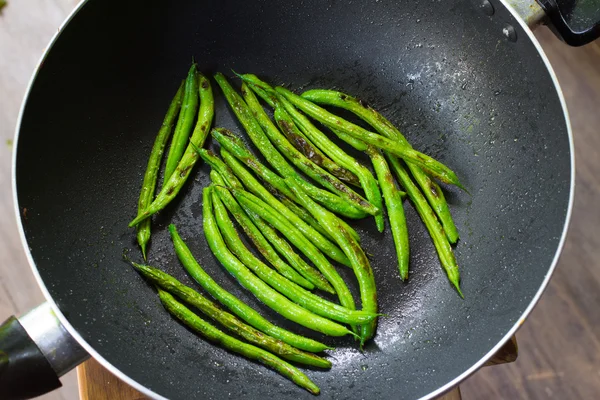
(239, 308)
(358, 258)
(294, 135)
(256, 286)
(330, 249)
(229, 321)
(189, 107)
(230, 343)
(428, 164)
(432, 191)
(436, 231)
(269, 214)
(189, 159)
(233, 145)
(289, 289)
(261, 234)
(297, 158)
(368, 182)
(395, 209)
(151, 175)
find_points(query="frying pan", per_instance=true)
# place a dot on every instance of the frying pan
(465, 81)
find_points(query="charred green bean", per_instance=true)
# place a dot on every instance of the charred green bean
(215, 335)
(189, 107)
(358, 258)
(293, 134)
(229, 321)
(395, 209)
(189, 159)
(238, 307)
(151, 175)
(324, 244)
(432, 191)
(292, 291)
(264, 238)
(256, 286)
(428, 164)
(297, 158)
(269, 214)
(436, 231)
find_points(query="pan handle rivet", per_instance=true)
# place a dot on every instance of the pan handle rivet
(487, 7)
(510, 33)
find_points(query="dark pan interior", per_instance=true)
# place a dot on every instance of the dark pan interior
(442, 71)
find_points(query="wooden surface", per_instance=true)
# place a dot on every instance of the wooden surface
(559, 343)
(96, 383)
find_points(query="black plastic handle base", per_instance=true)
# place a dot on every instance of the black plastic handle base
(576, 22)
(24, 371)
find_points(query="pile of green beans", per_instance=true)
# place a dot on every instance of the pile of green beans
(290, 209)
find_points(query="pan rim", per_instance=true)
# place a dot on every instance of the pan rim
(148, 392)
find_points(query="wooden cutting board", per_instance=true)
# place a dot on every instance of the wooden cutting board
(97, 383)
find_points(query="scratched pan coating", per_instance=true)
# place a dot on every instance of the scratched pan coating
(442, 71)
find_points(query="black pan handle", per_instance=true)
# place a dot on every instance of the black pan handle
(35, 351)
(576, 22)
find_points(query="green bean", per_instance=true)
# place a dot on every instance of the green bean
(229, 321)
(239, 308)
(184, 168)
(261, 234)
(432, 191)
(367, 181)
(211, 159)
(234, 144)
(358, 258)
(306, 217)
(305, 165)
(269, 214)
(256, 286)
(232, 344)
(151, 175)
(294, 135)
(269, 95)
(287, 251)
(295, 208)
(393, 202)
(189, 107)
(330, 249)
(258, 239)
(436, 231)
(223, 169)
(428, 164)
(253, 128)
(231, 143)
(436, 199)
(289, 289)
(340, 204)
(393, 198)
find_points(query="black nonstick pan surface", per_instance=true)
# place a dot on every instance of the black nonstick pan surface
(443, 71)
